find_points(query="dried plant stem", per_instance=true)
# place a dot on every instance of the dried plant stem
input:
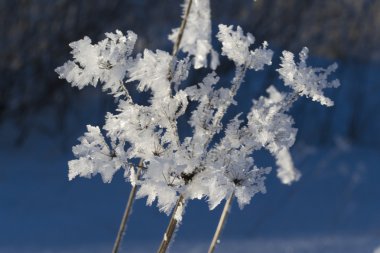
(179, 38)
(222, 221)
(127, 211)
(176, 45)
(181, 201)
(126, 93)
(171, 227)
(181, 29)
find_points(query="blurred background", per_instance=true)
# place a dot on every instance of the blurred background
(335, 207)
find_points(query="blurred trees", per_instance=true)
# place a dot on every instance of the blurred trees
(35, 36)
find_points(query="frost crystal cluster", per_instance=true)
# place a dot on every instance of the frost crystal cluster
(216, 159)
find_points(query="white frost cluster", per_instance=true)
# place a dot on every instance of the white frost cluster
(105, 62)
(305, 80)
(216, 160)
(96, 156)
(273, 129)
(236, 48)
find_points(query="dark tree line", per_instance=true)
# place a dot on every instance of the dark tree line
(35, 35)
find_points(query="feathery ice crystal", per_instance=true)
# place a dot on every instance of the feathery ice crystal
(216, 160)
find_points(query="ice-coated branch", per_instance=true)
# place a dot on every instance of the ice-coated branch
(236, 46)
(195, 33)
(179, 33)
(307, 81)
(271, 128)
(227, 101)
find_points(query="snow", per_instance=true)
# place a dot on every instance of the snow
(331, 244)
(333, 209)
(179, 213)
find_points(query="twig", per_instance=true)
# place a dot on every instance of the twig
(221, 223)
(126, 93)
(171, 227)
(179, 39)
(181, 29)
(127, 211)
(134, 188)
(180, 202)
(218, 116)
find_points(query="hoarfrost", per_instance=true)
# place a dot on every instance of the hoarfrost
(235, 45)
(307, 81)
(196, 38)
(179, 213)
(105, 62)
(216, 160)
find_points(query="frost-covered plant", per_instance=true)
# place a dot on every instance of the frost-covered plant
(216, 161)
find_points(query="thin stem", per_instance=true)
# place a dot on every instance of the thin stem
(126, 93)
(181, 29)
(171, 227)
(180, 202)
(222, 222)
(127, 211)
(179, 39)
(173, 123)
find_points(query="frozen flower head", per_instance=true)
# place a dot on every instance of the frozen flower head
(151, 71)
(236, 174)
(307, 81)
(96, 156)
(163, 185)
(105, 62)
(235, 45)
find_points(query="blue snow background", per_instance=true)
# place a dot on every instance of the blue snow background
(334, 208)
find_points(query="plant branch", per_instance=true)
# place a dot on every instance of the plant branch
(181, 29)
(179, 39)
(236, 83)
(127, 211)
(126, 93)
(181, 201)
(222, 222)
(172, 226)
